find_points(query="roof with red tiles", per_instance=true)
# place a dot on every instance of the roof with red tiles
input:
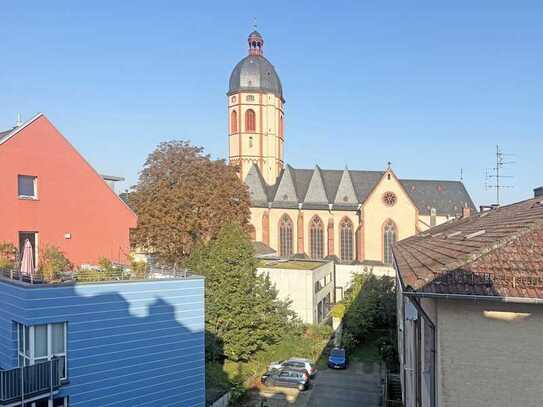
(493, 253)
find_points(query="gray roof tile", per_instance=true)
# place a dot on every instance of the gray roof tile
(322, 187)
(447, 197)
(345, 193)
(316, 192)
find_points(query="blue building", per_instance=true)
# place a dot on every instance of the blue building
(124, 343)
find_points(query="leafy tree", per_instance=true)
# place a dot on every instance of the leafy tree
(370, 305)
(183, 198)
(243, 314)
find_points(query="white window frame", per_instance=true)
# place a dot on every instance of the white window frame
(30, 359)
(35, 181)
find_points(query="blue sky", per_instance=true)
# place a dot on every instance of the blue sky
(429, 86)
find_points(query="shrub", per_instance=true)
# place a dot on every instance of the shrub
(8, 255)
(138, 269)
(388, 350)
(52, 263)
(105, 271)
(338, 310)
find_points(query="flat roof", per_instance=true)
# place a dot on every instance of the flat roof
(293, 264)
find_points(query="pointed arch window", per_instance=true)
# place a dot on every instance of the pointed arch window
(389, 238)
(250, 120)
(285, 236)
(234, 121)
(346, 240)
(281, 129)
(316, 238)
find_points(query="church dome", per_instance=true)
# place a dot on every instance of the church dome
(254, 72)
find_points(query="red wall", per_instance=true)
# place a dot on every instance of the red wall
(72, 198)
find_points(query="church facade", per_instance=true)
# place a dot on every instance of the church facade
(351, 216)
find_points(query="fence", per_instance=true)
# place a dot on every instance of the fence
(30, 381)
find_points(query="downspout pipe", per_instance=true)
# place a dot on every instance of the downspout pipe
(427, 319)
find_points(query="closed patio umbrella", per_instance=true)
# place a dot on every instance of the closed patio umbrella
(27, 262)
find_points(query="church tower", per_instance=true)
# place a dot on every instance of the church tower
(255, 114)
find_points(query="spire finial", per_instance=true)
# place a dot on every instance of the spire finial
(389, 165)
(254, 23)
(19, 122)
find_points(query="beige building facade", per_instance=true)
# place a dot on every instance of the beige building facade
(351, 216)
(470, 310)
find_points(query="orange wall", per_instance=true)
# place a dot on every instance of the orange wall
(72, 198)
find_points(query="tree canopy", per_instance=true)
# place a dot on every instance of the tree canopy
(243, 314)
(183, 197)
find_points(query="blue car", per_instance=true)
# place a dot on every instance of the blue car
(337, 359)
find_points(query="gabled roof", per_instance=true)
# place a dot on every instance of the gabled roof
(444, 196)
(316, 193)
(257, 186)
(286, 189)
(496, 253)
(345, 193)
(318, 188)
(6, 135)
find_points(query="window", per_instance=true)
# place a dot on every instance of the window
(280, 125)
(316, 238)
(251, 142)
(250, 120)
(27, 186)
(39, 343)
(389, 198)
(285, 236)
(250, 98)
(234, 122)
(346, 240)
(389, 237)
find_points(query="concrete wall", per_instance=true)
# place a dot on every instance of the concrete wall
(298, 286)
(490, 354)
(72, 198)
(129, 344)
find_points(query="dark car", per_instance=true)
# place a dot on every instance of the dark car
(337, 359)
(297, 378)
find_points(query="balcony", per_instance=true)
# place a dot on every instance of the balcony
(30, 382)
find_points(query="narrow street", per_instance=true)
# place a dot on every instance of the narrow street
(359, 385)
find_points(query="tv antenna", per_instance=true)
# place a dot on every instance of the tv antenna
(494, 177)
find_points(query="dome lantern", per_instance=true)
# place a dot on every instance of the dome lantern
(256, 43)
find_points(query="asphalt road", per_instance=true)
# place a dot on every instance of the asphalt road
(357, 386)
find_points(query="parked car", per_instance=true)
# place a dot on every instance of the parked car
(337, 359)
(295, 363)
(297, 378)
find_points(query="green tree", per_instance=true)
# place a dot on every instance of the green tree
(243, 314)
(370, 305)
(183, 198)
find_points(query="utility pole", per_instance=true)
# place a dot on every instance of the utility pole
(497, 174)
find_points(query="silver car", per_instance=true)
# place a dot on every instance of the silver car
(295, 363)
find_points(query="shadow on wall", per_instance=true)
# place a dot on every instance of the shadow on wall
(128, 344)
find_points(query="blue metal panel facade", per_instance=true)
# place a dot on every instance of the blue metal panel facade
(138, 343)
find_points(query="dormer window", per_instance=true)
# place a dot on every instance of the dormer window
(27, 187)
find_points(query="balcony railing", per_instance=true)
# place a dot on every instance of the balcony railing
(24, 383)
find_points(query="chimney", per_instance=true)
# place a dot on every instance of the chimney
(538, 192)
(466, 211)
